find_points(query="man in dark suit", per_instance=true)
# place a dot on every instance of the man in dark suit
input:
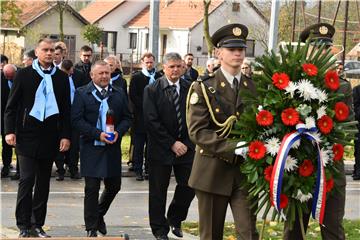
(100, 157)
(216, 175)
(169, 148)
(38, 125)
(70, 157)
(332, 228)
(7, 79)
(191, 73)
(84, 65)
(29, 57)
(116, 75)
(138, 82)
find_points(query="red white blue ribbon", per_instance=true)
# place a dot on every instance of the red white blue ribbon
(319, 199)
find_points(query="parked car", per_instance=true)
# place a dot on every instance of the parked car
(351, 68)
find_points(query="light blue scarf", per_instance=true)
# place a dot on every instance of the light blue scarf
(114, 78)
(72, 89)
(101, 122)
(10, 83)
(45, 104)
(147, 74)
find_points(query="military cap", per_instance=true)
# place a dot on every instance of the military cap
(318, 34)
(230, 36)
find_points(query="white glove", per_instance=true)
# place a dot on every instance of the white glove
(241, 149)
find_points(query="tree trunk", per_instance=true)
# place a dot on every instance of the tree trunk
(206, 27)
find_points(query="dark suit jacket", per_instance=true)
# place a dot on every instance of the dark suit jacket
(80, 66)
(191, 75)
(356, 99)
(99, 161)
(79, 78)
(120, 82)
(5, 90)
(162, 125)
(33, 137)
(136, 93)
(212, 169)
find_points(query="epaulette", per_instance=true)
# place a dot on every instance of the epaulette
(205, 77)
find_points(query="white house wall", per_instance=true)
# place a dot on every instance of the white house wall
(116, 20)
(222, 16)
(49, 24)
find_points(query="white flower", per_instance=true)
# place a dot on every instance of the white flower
(326, 155)
(310, 122)
(290, 164)
(260, 108)
(291, 88)
(317, 136)
(321, 112)
(303, 197)
(296, 144)
(272, 146)
(322, 95)
(307, 90)
(304, 109)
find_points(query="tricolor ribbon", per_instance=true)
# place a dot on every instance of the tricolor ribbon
(318, 205)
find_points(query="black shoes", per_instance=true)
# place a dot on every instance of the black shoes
(146, 176)
(60, 177)
(75, 176)
(177, 231)
(91, 233)
(356, 177)
(5, 171)
(139, 177)
(102, 226)
(39, 233)
(24, 233)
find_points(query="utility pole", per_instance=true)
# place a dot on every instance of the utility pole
(274, 19)
(319, 12)
(294, 23)
(345, 30)
(154, 28)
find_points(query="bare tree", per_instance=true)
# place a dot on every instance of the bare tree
(209, 44)
(60, 6)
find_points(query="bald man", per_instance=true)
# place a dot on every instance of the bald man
(8, 74)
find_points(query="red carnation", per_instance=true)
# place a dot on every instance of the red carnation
(310, 69)
(306, 168)
(283, 201)
(290, 117)
(338, 151)
(264, 118)
(332, 80)
(267, 172)
(341, 111)
(325, 124)
(257, 150)
(329, 185)
(280, 80)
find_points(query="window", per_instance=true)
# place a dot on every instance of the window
(133, 40)
(109, 40)
(147, 41)
(250, 50)
(236, 7)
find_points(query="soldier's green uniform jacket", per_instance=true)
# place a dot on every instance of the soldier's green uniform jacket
(215, 168)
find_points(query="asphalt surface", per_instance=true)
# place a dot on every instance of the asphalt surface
(128, 213)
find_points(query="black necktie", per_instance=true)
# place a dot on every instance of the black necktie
(176, 99)
(236, 86)
(103, 92)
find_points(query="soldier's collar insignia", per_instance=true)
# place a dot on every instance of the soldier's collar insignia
(194, 98)
(222, 84)
(323, 30)
(236, 31)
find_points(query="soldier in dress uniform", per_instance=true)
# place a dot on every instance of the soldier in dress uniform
(332, 227)
(214, 104)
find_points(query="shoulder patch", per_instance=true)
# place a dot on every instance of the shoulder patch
(194, 98)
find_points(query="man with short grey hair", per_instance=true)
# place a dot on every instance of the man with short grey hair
(169, 148)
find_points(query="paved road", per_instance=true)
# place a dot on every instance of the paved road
(128, 212)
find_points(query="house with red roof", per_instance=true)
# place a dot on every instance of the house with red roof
(41, 18)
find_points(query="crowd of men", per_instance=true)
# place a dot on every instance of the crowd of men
(54, 110)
